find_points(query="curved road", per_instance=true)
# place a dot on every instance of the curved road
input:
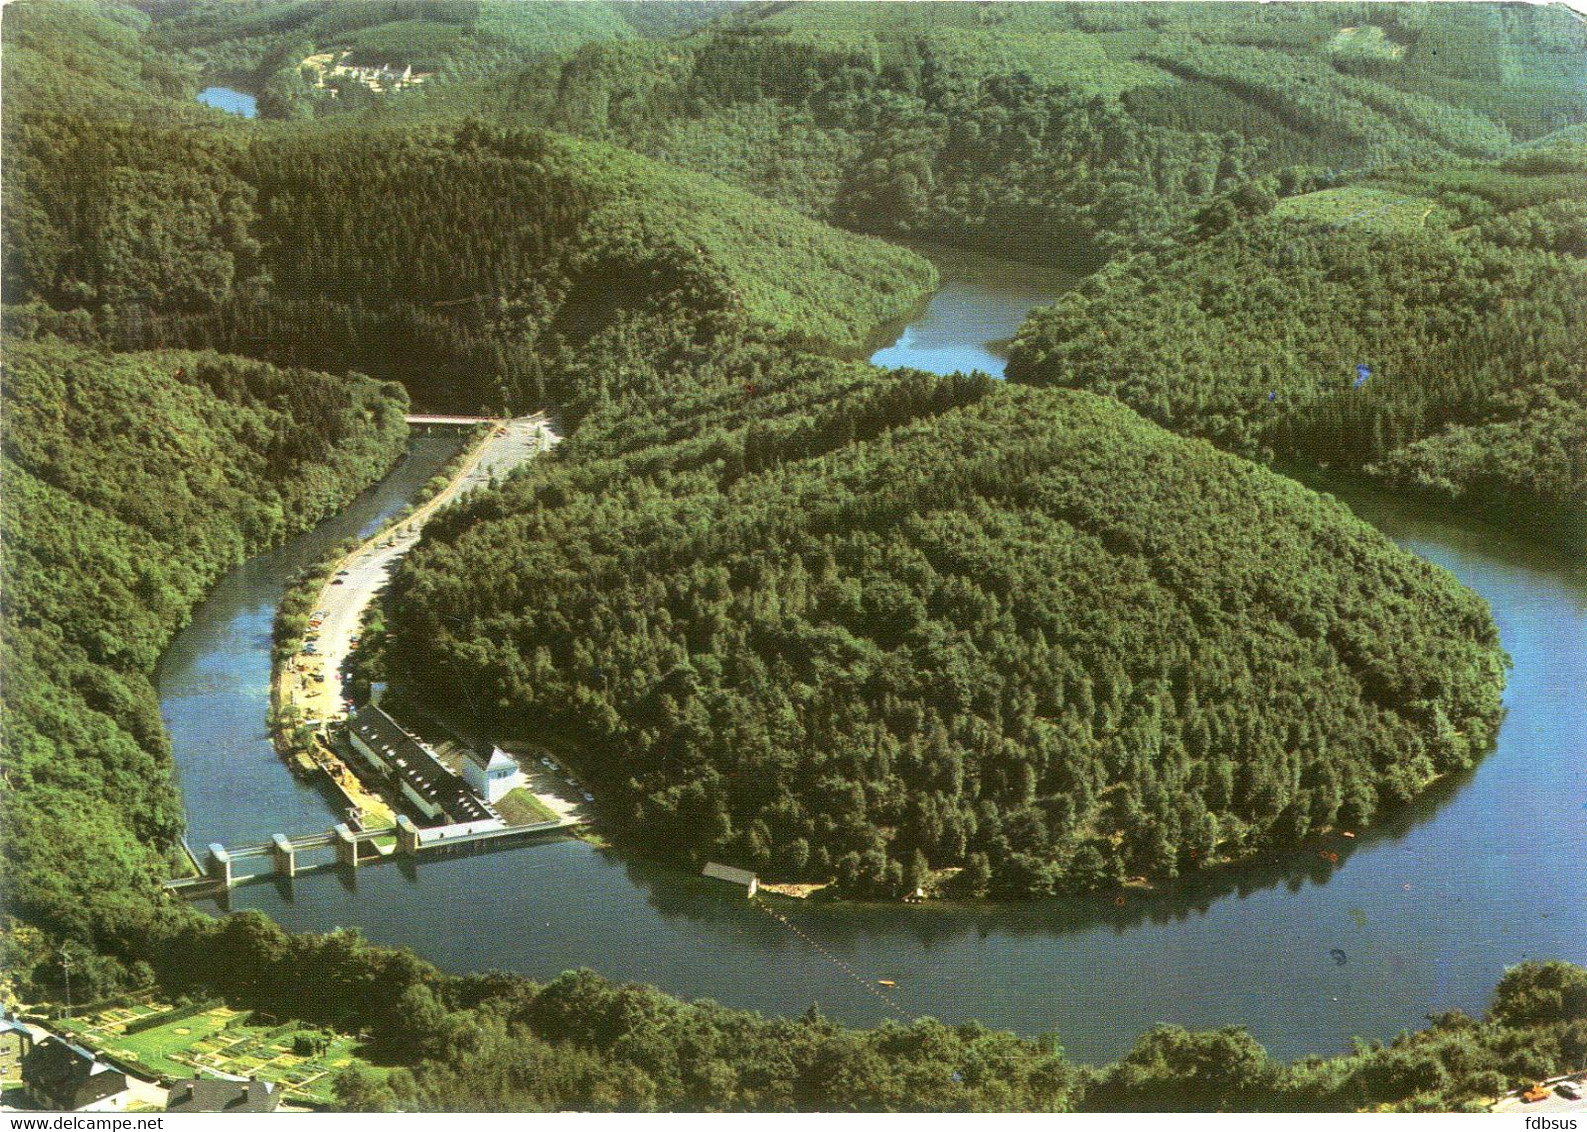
(345, 597)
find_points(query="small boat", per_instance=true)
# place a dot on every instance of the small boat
(886, 983)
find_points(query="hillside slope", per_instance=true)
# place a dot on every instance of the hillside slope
(1424, 326)
(460, 259)
(131, 483)
(264, 46)
(1057, 130)
(825, 622)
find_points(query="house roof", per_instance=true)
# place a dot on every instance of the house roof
(69, 1074)
(728, 873)
(205, 1094)
(489, 757)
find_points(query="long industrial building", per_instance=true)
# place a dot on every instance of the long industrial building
(433, 790)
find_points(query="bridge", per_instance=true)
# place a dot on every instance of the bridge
(351, 849)
(436, 420)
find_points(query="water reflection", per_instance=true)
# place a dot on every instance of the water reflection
(965, 325)
(674, 895)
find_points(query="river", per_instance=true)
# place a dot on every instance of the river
(1428, 909)
(214, 679)
(980, 304)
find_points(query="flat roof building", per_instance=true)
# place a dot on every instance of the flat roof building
(743, 877)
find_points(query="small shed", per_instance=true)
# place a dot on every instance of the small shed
(15, 1041)
(741, 877)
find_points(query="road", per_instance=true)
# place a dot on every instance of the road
(1551, 1105)
(363, 573)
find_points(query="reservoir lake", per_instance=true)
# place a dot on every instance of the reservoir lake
(229, 100)
(1428, 908)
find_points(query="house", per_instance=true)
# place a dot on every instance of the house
(15, 1041)
(211, 1094)
(491, 771)
(743, 877)
(63, 1077)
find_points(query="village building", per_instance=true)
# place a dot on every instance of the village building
(62, 1077)
(213, 1094)
(332, 65)
(491, 772)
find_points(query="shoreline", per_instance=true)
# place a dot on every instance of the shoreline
(306, 688)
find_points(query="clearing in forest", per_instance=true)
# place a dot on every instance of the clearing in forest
(1357, 206)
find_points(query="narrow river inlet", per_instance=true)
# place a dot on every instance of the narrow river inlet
(1422, 913)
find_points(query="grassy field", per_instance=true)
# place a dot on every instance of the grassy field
(1369, 42)
(523, 808)
(221, 1040)
(1373, 209)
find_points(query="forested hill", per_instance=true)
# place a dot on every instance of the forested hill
(90, 57)
(131, 483)
(463, 260)
(265, 45)
(1057, 130)
(1428, 327)
(823, 622)
(593, 1045)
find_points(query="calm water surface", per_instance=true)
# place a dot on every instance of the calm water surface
(214, 680)
(1428, 910)
(981, 303)
(232, 101)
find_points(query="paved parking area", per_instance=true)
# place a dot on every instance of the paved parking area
(1551, 1105)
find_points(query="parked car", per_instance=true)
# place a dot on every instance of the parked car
(1569, 1090)
(588, 797)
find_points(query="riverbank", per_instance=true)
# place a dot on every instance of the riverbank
(307, 686)
(1412, 902)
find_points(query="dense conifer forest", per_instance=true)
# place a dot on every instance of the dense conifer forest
(843, 625)
(782, 608)
(131, 483)
(1424, 326)
(464, 260)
